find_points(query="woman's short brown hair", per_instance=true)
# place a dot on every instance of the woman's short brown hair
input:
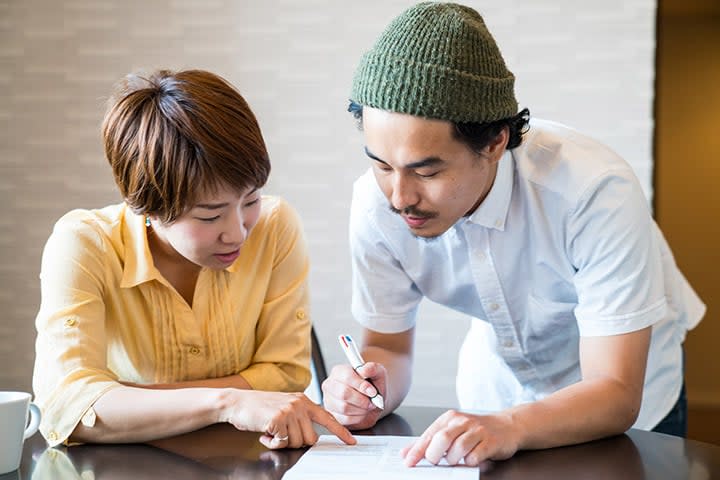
(172, 136)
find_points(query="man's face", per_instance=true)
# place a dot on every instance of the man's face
(429, 177)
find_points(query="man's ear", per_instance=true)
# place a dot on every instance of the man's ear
(494, 150)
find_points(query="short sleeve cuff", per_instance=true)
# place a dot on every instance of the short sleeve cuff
(592, 325)
(385, 323)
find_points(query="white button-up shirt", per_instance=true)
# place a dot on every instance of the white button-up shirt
(563, 246)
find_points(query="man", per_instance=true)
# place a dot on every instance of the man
(540, 233)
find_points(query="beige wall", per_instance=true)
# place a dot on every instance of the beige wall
(687, 171)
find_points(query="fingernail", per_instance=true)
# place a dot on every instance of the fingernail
(370, 391)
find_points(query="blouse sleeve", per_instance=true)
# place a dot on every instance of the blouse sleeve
(282, 337)
(70, 365)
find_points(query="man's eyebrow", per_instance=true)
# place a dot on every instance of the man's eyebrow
(219, 205)
(425, 162)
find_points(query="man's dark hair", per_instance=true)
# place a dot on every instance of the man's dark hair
(476, 135)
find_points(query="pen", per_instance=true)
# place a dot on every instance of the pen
(356, 361)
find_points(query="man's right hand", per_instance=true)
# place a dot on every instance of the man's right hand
(346, 394)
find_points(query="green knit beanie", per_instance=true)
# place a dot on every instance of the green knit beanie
(437, 60)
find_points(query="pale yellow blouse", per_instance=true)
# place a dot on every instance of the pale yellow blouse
(108, 315)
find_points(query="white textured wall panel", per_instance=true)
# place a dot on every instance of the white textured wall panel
(585, 63)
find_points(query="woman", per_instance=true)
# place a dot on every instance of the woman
(186, 304)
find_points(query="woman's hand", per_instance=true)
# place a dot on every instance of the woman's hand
(286, 419)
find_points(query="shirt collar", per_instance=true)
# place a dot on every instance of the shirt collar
(139, 266)
(492, 211)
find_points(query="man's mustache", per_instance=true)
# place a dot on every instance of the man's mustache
(412, 211)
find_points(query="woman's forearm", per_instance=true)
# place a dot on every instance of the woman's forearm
(129, 414)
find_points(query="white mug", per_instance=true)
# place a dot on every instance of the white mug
(14, 428)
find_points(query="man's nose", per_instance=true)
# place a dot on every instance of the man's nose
(403, 193)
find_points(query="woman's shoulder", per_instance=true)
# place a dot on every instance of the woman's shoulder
(86, 227)
(276, 211)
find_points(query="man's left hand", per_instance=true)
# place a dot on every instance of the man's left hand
(464, 437)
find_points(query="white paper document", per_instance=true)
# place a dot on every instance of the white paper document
(372, 458)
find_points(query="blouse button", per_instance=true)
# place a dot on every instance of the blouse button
(194, 350)
(300, 314)
(70, 322)
(52, 436)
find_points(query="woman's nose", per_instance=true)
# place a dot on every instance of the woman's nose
(235, 231)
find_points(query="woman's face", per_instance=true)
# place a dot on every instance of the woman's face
(211, 233)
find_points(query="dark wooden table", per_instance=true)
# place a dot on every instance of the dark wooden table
(221, 452)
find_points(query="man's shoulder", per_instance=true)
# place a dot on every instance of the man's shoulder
(559, 159)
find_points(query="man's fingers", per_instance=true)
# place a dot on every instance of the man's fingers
(416, 452)
(346, 399)
(404, 451)
(369, 370)
(462, 445)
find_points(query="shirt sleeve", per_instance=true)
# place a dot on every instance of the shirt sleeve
(71, 371)
(617, 257)
(282, 337)
(384, 298)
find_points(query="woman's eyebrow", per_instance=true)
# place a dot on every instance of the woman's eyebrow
(219, 205)
(211, 206)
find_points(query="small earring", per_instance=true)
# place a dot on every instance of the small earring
(147, 220)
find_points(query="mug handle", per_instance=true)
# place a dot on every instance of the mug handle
(34, 421)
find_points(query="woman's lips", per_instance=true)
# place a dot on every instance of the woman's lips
(228, 257)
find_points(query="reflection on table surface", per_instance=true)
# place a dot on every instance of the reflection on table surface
(221, 452)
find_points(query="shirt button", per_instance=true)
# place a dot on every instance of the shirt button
(52, 436)
(494, 306)
(70, 322)
(194, 350)
(300, 314)
(508, 343)
(480, 256)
